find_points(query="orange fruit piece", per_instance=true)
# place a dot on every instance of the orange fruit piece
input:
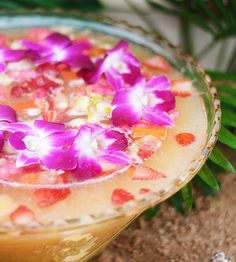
(185, 139)
(22, 105)
(67, 76)
(158, 132)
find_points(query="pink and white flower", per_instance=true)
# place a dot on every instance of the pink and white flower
(95, 146)
(9, 55)
(117, 65)
(7, 114)
(150, 101)
(59, 48)
(46, 142)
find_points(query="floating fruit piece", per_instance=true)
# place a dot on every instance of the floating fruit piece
(185, 139)
(149, 143)
(121, 196)
(6, 205)
(146, 173)
(158, 63)
(182, 87)
(108, 168)
(68, 76)
(143, 191)
(46, 197)
(22, 215)
(159, 132)
(23, 105)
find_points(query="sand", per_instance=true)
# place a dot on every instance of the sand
(171, 237)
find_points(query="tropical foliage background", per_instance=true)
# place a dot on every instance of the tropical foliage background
(218, 19)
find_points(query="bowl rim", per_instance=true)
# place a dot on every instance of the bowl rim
(153, 198)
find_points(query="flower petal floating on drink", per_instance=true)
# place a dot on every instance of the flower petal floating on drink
(150, 101)
(44, 143)
(59, 48)
(118, 64)
(95, 146)
(9, 55)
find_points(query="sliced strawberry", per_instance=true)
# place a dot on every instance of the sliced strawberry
(185, 139)
(143, 154)
(146, 173)
(22, 215)
(120, 196)
(158, 63)
(46, 197)
(182, 87)
(143, 191)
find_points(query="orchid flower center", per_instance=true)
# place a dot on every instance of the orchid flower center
(115, 62)
(32, 143)
(58, 53)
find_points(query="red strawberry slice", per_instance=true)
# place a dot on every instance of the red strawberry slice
(146, 173)
(143, 191)
(181, 87)
(158, 63)
(22, 215)
(46, 197)
(185, 139)
(121, 196)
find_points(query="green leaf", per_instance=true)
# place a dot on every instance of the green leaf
(151, 212)
(177, 201)
(216, 75)
(227, 138)
(228, 118)
(203, 186)
(187, 196)
(208, 177)
(226, 89)
(228, 100)
(219, 159)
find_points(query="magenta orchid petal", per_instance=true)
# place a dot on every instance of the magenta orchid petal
(16, 140)
(168, 100)
(157, 117)
(59, 48)
(120, 141)
(87, 168)
(7, 113)
(59, 159)
(149, 101)
(1, 140)
(77, 48)
(13, 55)
(2, 67)
(92, 144)
(61, 139)
(124, 115)
(9, 55)
(117, 62)
(160, 83)
(15, 127)
(57, 39)
(118, 158)
(47, 127)
(26, 158)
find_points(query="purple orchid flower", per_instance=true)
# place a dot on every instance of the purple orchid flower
(9, 55)
(117, 65)
(59, 48)
(150, 101)
(95, 146)
(7, 114)
(46, 142)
